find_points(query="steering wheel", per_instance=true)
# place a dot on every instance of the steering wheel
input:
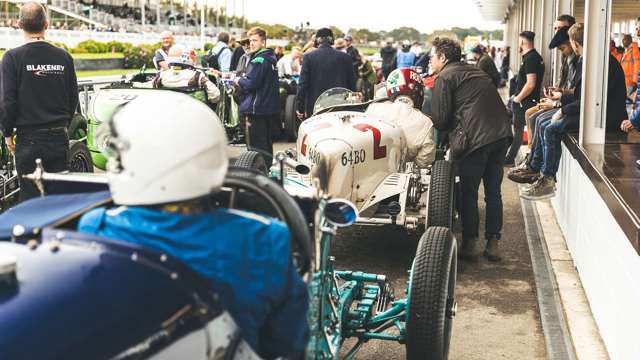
(249, 190)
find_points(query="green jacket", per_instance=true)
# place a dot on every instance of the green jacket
(487, 65)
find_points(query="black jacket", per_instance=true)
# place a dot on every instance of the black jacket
(323, 69)
(260, 85)
(235, 57)
(388, 54)
(355, 57)
(616, 97)
(465, 98)
(40, 89)
(486, 64)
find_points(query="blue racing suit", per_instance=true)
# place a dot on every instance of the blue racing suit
(245, 255)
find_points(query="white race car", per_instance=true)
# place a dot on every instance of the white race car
(380, 155)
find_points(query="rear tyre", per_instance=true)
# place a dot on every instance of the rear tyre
(440, 197)
(431, 302)
(79, 157)
(291, 122)
(252, 160)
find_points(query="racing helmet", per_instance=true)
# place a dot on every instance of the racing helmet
(163, 154)
(405, 82)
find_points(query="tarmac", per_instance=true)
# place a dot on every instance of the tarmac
(498, 315)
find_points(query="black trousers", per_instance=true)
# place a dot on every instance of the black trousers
(518, 126)
(486, 165)
(258, 133)
(49, 145)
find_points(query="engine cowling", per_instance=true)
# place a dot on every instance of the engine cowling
(356, 152)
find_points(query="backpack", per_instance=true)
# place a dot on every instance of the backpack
(211, 59)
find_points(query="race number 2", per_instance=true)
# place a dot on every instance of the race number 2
(379, 152)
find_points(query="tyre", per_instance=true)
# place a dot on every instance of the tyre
(291, 122)
(431, 301)
(252, 160)
(440, 197)
(79, 157)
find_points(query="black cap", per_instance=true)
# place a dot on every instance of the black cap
(529, 35)
(561, 37)
(324, 32)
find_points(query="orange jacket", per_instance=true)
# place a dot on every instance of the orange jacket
(631, 64)
(616, 55)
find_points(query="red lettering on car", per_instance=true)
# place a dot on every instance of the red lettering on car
(379, 152)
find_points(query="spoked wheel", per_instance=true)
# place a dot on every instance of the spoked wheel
(252, 160)
(431, 302)
(79, 157)
(440, 196)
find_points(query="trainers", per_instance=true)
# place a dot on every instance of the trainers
(523, 175)
(469, 250)
(524, 162)
(543, 188)
(492, 250)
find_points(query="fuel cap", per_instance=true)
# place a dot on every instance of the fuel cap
(8, 278)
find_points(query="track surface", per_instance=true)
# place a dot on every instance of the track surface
(497, 308)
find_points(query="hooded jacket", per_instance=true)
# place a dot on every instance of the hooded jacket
(465, 100)
(260, 85)
(388, 54)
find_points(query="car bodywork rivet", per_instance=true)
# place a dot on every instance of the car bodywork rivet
(134, 256)
(32, 244)
(18, 230)
(163, 257)
(174, 276)
(54, 246)
(60, 235)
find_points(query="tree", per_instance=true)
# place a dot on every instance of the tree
(337, 33)
(405, 33)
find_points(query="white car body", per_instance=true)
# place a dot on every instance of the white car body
(368, 158)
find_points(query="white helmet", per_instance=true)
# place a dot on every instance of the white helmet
(165, 147)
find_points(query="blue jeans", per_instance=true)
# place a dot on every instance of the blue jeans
(545, 155)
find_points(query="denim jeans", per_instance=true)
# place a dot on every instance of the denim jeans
(547, 148)
(49, 145)
(518, 126)
(486, 165)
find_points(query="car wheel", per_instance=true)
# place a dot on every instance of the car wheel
(252, 160)
(440, 197)
(291, 122)
(431, 302)
(79, 157)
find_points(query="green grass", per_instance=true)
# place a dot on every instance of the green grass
(81, 74)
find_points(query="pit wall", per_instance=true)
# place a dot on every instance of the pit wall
(608, 265)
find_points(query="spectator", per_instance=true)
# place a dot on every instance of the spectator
(388, 55)
(238, 52)
(289, 65)
(261, 102)
(323, 69)
(634, 122)
(368, 78)
(39, 99)
(504, 67)
(243, 62)
(497, 60)
(547, 151)
(340, 45)
(485, 63)
(279, 51)
(528, 88)
(405, 58)
(630, 62)
(416, 49)
(353, 53)
(613, 50)
(219, 57)
(161, 55)
(422, 64)
(467, 104)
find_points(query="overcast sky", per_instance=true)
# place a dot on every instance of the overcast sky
(425, 15)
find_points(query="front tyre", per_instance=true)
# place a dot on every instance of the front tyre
(79, 157)
(431, 302)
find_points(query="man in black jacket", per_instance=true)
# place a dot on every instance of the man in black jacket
(388, 54)
(467, 104)
(323, 69)
(40, 96)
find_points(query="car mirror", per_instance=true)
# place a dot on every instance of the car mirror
(340, 213)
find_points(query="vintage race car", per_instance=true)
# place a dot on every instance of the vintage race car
(95, 298)
(380, 155)
(106, 101)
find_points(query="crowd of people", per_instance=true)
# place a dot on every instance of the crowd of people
(483, 137)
